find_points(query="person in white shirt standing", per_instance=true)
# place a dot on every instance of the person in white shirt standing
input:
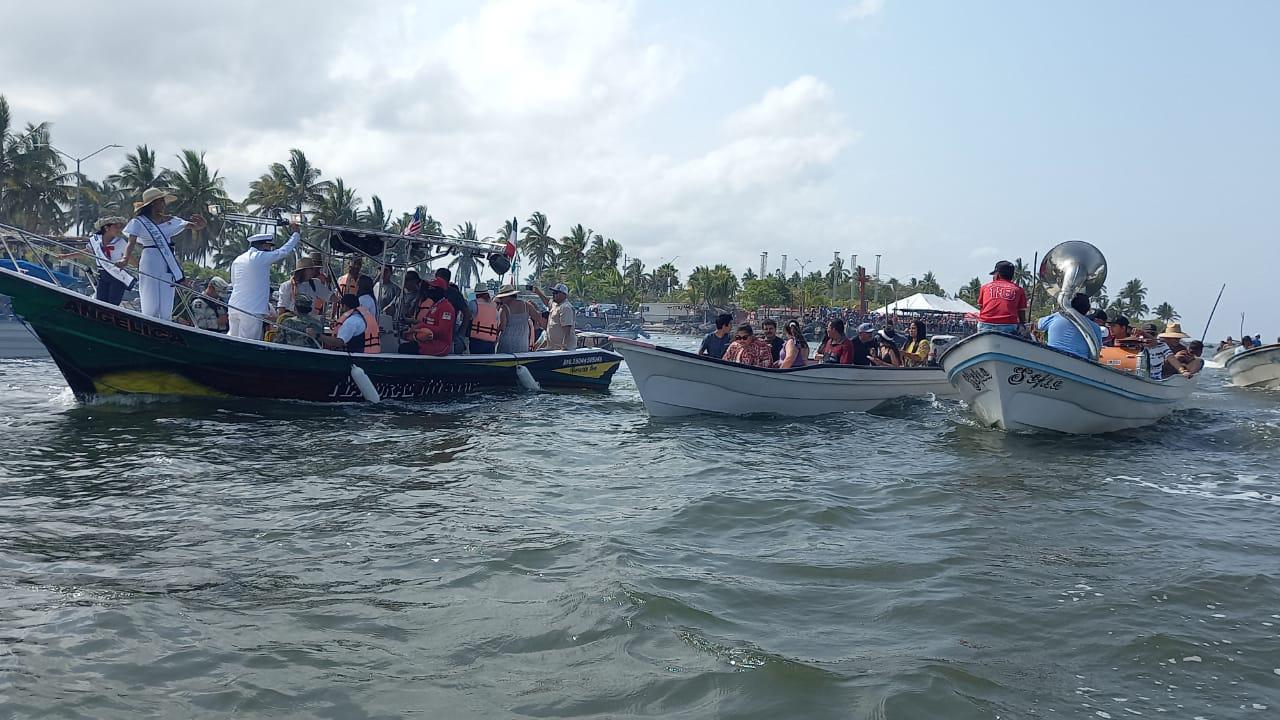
(251, 283)
(108, 245)
(159, 270)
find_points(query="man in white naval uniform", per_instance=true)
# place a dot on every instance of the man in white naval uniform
(251, 283)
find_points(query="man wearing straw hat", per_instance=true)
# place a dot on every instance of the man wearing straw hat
(306, 278)
(108, 246)
(153, 229)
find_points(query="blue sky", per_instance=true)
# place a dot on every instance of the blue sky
(944, 135)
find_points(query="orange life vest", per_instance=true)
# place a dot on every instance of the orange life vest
(372, 334)
(348, 285)
(484, 326)
(1118, 358)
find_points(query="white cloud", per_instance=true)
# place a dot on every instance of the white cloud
(862, 9)
(512, 107)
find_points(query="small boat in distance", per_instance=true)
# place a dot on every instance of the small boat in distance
(676, 383)
(1259, 367)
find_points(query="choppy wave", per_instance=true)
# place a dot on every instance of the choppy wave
(559, 555)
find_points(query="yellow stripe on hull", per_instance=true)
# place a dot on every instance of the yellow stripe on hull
(151, 382)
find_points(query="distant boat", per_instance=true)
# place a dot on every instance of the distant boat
(674, 383)
(1259, 367)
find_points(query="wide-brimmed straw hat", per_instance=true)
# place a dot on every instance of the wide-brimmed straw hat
(151, 195)
(307, 262)
(506, 291)
(108, 220)
(1173, 331)
(483, 290)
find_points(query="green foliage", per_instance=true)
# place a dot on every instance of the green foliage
(771, 291)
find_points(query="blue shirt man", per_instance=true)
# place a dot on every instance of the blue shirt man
(1064, 335)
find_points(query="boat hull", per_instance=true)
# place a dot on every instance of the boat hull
(103, 349)
(1255, 368)
(675, 383)
(1014, 384)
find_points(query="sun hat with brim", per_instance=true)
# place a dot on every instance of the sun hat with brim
(483, 290)
(306, 263)
(218, 283)
(561, 288)
(108, 220)
(1174, 331)
(151, 195)
(507, 291)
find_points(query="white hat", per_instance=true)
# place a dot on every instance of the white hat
(561, 288)
(262, 237)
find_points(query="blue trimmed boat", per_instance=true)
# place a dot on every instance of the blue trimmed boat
(1016, 384)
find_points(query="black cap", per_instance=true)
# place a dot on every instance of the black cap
(1004, 267)
(1120, 320)
(1150, 328)
(1099, 314)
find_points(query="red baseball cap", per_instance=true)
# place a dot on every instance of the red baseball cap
(440, 283)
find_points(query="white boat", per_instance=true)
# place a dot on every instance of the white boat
(1259, 367)
(1221, 357)
(674, 383)
(1016, 384)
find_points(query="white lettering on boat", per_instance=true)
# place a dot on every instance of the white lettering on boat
(347, 388)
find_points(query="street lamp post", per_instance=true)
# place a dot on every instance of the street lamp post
(835, 275)
(80, 178)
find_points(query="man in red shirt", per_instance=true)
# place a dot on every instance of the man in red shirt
(1002, 303)
(435, 321)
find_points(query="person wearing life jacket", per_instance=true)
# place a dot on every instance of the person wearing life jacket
(349, 284)
(357, 330)
(432, 330)
(484, 323)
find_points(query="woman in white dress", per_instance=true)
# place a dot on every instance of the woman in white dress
(153, 229)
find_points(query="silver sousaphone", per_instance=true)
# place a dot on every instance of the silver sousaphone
(1075, 267)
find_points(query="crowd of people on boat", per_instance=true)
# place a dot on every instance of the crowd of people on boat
(1146, 350)
(869, 346)
(353, 314)
(1245, 344)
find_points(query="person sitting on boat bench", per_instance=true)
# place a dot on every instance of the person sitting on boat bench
(300, 327)
(1246, 344)
(715, 343)
(357, 330)
(1187, 361)
(1178, 362)
(251, 283)
(837, 348)
(747, 349)
(1063, 335)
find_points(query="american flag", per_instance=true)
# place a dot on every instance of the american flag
(415, 225)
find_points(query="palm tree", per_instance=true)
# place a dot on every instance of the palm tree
(666, 277)
(376, 217)
(970, 291)
(929, 284)
(573, 250)
(723, 285)
(196, 188)
(465, 266)
(138, 173)
(1166, 314)
(748, 276)
(34, 184)
(538, 245)
(1023, 274)
(338, 204)
(1134, 296)
(296, 186)
(701, 284)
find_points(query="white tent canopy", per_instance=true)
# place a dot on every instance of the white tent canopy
(921, 302)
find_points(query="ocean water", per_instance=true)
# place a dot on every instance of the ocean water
(524, 554)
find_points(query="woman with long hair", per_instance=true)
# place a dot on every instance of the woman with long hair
(888, 352)
(916, 351)
(795, 353)
(152, 228)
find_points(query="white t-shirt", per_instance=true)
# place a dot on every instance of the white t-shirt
(351, 327)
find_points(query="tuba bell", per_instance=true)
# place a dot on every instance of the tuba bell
(1074, 267)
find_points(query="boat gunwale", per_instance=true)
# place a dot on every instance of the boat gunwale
(686, 355)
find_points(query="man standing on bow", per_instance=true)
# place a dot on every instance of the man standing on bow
(251, 283)
(560, 320)
(1002, 303)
